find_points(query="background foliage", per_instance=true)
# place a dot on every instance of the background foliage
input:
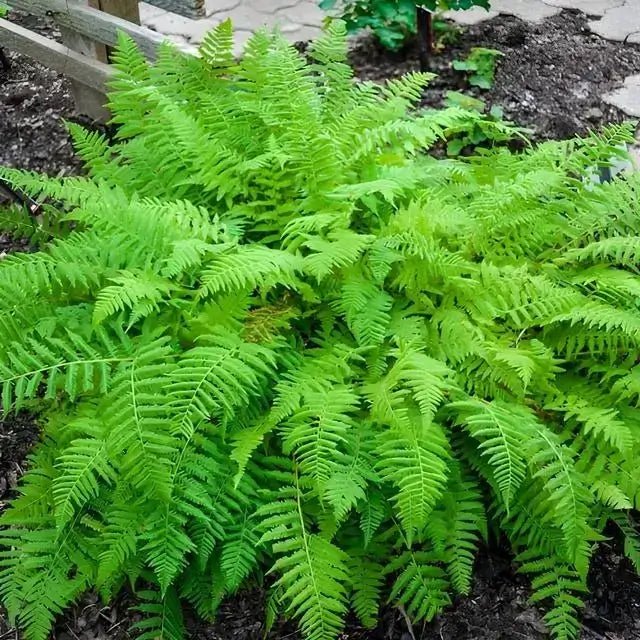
(273, 341)
(480, 66)
(391, 21)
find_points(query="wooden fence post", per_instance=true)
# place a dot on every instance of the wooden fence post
(89, 101)
(125, 9)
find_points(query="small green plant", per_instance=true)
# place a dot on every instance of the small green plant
(391, 21)
(273, 336)
(4, 10)
(480, 66)
(482, 131)
(445, 34)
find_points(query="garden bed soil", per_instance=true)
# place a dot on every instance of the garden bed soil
(17, 436)
(550, 79)
(34, 102)
(496, 609)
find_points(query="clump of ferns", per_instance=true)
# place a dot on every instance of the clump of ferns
(276, 338)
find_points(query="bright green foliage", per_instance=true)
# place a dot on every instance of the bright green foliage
(391, 21)
(18, 222)
(483, 131)
(274, 336)
(480, 66)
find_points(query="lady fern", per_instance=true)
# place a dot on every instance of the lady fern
(273, 336)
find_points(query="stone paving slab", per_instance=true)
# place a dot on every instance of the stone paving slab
(620, 23)
(589, 7)
(627, 98)
(529, 10)
(471, 16)
(302, 20)
(538, 10)
(297, 19)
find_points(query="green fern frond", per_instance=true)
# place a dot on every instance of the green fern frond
(313, 572)
(122, 525)
(559, 584)
(93, 148)
(140, 292)
(502, 432)
(347, 486)
(245, 442)
(71, 190)
(631, 539)
(597, 315)
(599, 422)
(186, 254)
(367, 580)
(415, 462)
(36, 583)
(216, 47)
(421, 586)
(249, 267)
(341, 249)
(167, 544)
(239, 553)
(366, 309)
(618, 250)
(211, 381)
(373, 511)
(317, 433)
(567, 492)
(83, 467)
(456, 527)
(70, 365)
(162, 616)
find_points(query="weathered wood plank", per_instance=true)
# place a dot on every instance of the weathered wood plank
(125, 9)
(89, 101)
(56, 56)
(92, 22)
(188, 8)
(99, 50)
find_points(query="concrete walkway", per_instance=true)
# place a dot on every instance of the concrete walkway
(298, 19)
(302, 20)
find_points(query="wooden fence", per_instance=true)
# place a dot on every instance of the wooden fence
(89, 28)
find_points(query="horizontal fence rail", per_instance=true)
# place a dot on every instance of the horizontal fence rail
(93, 23)
(87, 33)
(54, 55)
(188, 8)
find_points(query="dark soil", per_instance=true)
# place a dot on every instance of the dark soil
(17, 436)
(8, 245)
(550, 79)
(34, 102)
(496, 609)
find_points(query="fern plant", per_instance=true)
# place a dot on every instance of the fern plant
(271, 336)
